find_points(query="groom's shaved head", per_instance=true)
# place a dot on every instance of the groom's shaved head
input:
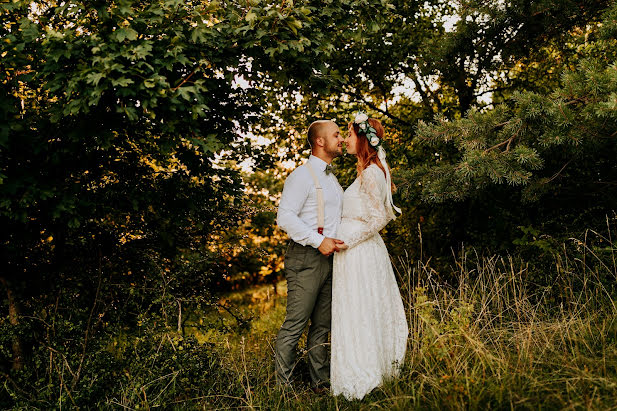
(325, 139)
(316, 130)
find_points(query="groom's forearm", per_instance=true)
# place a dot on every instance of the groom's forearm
(297, 230)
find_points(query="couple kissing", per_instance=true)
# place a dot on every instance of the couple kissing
(338, 271)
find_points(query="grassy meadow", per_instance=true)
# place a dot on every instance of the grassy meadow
(484, 343)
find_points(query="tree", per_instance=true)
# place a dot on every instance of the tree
(494, 49)
(117, 118)
(546, 157)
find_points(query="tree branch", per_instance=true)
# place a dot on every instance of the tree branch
(187, 78)
(423, 95)
(505, 142)
(376, 108)
(557, 173)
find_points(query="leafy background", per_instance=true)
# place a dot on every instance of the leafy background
(143, 147)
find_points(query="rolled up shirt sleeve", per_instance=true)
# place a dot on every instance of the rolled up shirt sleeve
(295, 193)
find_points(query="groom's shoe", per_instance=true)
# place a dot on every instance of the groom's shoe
(321, 389)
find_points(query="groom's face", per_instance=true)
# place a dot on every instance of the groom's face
(333, 140)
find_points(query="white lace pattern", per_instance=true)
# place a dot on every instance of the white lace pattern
(369, 327)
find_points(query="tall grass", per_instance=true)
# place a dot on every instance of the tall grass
(496, 332)
(488, 340)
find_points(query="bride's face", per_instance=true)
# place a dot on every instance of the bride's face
(351, 141)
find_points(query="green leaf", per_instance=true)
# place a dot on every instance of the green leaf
(210, 144)
(122, 82)
(130, 112)
(294, 25)
(197, 36)
(124, 33)
(94, 78)
(143, 50)
(185, 92)
(250, 16)
(29, 30)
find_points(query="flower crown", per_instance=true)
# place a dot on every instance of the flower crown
(371, 134)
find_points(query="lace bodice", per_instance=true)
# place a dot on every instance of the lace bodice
(365, 202)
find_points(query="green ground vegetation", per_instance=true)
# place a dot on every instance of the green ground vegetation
(488, 342)
(130, 224)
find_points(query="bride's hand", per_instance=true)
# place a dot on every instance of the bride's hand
(340, 245)
(331, 245)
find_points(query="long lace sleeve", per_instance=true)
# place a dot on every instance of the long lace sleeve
(375, 216)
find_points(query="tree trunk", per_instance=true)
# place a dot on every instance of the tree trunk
(14, 321)
(465, 95)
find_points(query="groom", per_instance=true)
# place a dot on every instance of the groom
(308, 260)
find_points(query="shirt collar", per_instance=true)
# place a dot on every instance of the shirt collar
(318, 162)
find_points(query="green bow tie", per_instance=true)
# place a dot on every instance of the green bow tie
(329, 169)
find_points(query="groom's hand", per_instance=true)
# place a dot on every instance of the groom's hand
(331, 245)
(327, 246)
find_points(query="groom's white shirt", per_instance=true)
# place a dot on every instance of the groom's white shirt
(297, 212)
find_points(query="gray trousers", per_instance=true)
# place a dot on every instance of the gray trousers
(309, 296)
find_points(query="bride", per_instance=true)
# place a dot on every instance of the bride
(369, 327)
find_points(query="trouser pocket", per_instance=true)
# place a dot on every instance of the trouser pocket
(295, 257)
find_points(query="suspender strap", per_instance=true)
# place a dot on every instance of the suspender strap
(320, 203)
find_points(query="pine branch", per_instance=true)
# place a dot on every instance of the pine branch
(507, 142)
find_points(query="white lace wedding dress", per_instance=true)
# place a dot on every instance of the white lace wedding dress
(369, 327)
